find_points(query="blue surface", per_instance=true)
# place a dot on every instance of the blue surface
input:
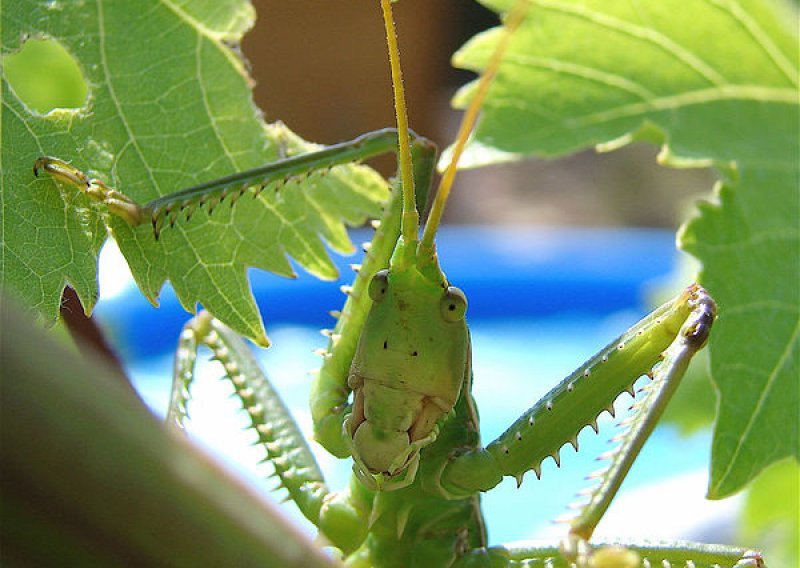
(518, 272)
(540, 303)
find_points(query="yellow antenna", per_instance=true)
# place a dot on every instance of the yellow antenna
(512, 22)
(409, 224)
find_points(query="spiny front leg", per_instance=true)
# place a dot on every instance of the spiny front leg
(330, 393)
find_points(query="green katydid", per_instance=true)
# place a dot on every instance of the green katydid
(394, 391)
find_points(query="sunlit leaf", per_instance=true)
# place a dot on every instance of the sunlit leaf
(169, 106)
(716, 83)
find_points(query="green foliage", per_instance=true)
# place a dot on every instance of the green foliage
(169, 106)
(716, 83)
(771, 513)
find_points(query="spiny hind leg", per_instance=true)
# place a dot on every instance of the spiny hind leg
(277, 431)
(557, 418)
(340, 516)
(666, 376)
(660, 346)
(615, 555)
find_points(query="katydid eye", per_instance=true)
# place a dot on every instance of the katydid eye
(454, 304)
(378, 285)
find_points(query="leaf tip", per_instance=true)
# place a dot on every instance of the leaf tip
(261, 339)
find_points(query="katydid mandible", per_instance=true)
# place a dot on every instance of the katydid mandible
(394, 390)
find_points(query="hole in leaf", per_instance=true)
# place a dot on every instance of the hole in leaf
(45, 76)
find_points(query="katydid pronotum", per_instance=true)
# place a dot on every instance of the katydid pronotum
(394, 391)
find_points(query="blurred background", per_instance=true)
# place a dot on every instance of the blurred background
(321, 68)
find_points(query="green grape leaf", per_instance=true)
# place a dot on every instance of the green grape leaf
(771, 513)
(715, 82)
(169, 107)
(749, 243)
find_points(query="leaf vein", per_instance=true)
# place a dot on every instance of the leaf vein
(742, 440)
(669, 102)
(566, 68)
(762, 305)
(288, 225)
(758, 240)
(132, 141)
(760, 37)
(206, 105)
(218, 39)
(645, 34)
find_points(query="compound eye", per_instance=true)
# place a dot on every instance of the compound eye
(454, 304)
(378, 285)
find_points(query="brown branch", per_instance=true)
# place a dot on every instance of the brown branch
(88, 336)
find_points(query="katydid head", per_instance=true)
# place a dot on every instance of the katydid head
(412, 356)
(408, 370)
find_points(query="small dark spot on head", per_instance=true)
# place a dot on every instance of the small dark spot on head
(451, 307)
